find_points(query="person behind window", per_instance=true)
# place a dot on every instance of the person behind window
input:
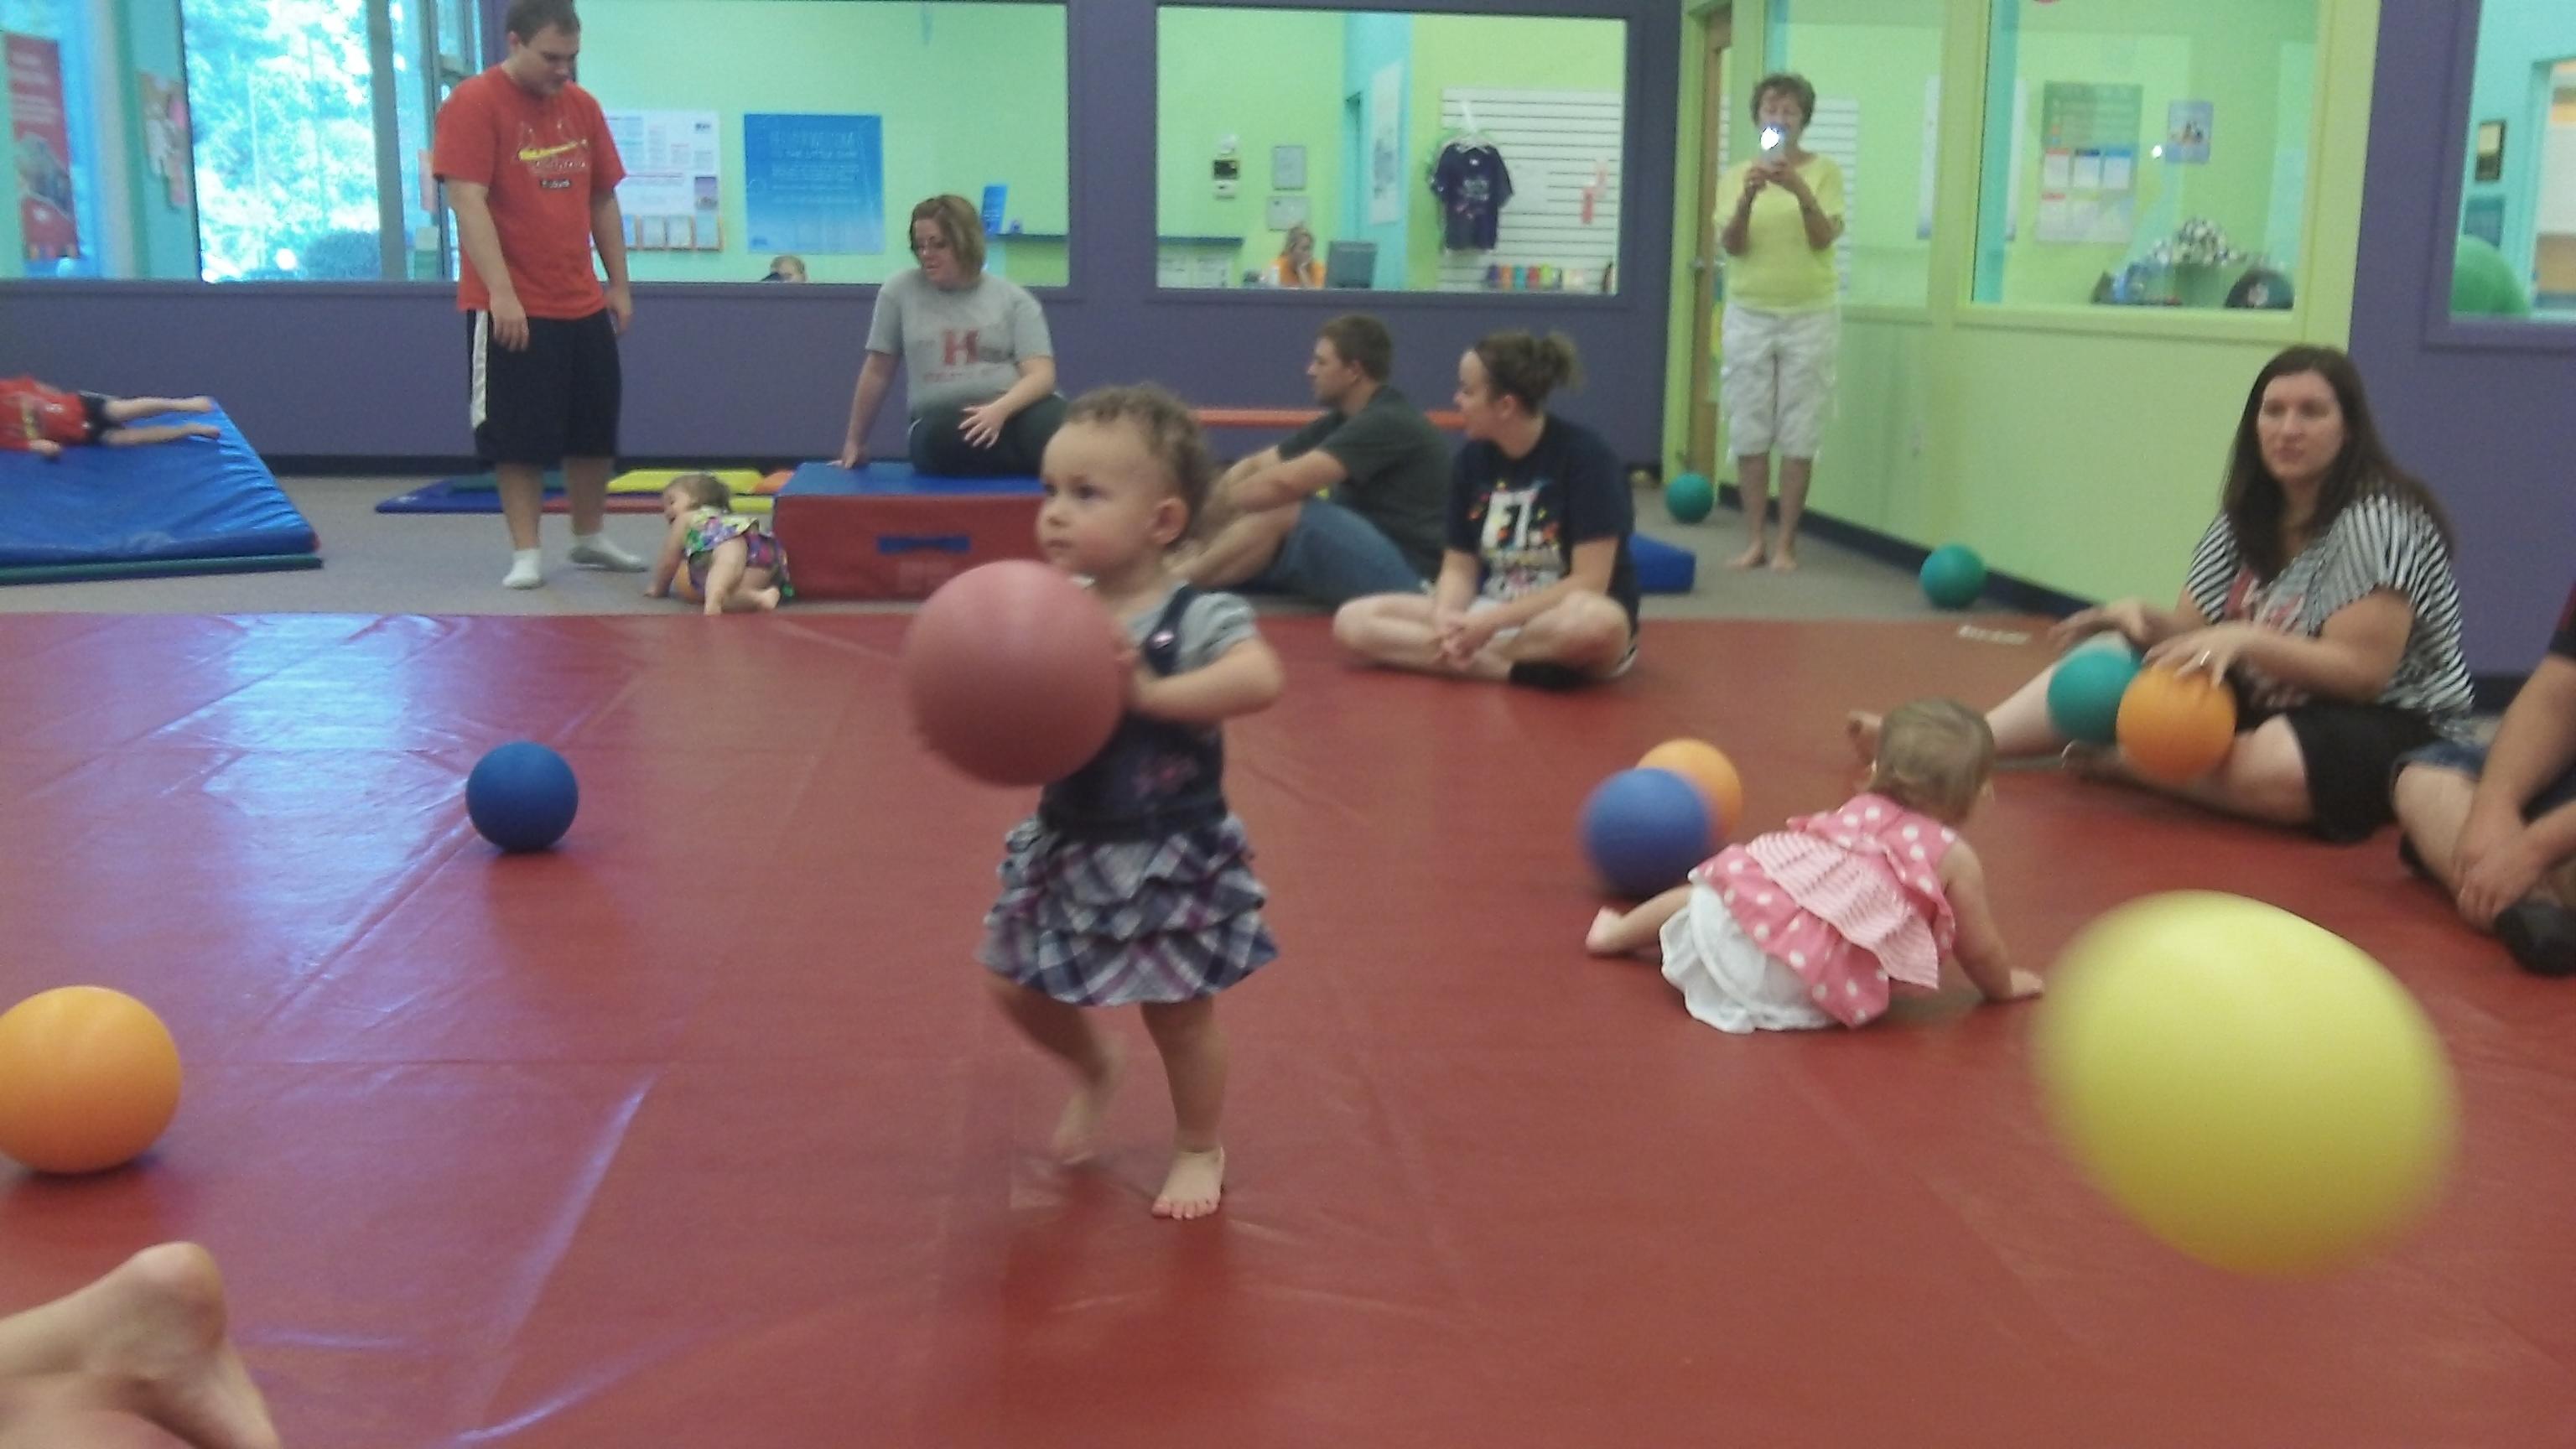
(979, 367)
(1783, 310)
(1295, 266)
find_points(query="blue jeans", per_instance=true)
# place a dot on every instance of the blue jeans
(2471, 760)
(1333, 556)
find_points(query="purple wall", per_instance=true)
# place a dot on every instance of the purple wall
(2485, 410)
(315, 371)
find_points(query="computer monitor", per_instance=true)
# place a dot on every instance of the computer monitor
(1351, 264)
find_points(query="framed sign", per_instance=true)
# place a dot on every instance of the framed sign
(2490, 151)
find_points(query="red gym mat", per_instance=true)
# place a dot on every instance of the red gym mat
(701, 1130)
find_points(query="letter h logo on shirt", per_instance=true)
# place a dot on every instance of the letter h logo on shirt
(956, 347)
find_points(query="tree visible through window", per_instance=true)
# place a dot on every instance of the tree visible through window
(280, 96)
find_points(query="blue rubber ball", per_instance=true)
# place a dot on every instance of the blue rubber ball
(1689, 497)
(522, 796)
(1643, 830)
(1953, 576)
(2084, 693)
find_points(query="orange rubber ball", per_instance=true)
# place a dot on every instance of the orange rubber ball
(2176, 727)
(89, 1079)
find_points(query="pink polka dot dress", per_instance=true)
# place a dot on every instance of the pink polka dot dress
(1814, 924)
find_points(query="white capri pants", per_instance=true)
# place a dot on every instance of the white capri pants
(1777, 379)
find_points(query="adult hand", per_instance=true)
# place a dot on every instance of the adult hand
(2125, 617)
(1754, 181)
(854, 452)
(1786, 177)
(1473, 633)
(2497, 866)
(2211, 651)
(982, 425)
(621, 307)
(1445, 622)
(509, 324)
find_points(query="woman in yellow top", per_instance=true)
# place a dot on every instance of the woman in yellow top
(1295, 266)
(1783, 311)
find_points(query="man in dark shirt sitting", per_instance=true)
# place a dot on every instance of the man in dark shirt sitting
(1388, 471)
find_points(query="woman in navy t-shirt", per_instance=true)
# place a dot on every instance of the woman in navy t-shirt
(1535, 584)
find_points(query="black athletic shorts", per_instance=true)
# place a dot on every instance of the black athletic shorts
(94, 413)
(558, 399)
(2351, 752)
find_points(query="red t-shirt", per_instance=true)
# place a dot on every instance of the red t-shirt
(31, 411)
(542, 159)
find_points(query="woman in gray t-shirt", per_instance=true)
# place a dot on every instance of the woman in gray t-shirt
(979, 368)
(2322, 594)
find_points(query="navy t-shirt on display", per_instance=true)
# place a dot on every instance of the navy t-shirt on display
(1472, 184)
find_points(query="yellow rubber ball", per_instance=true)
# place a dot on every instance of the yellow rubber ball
(2251, 1088)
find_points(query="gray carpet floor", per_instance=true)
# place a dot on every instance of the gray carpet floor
(452, 564)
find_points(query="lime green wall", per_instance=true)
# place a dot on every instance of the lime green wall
(2075, 446)
(1507, 53)
(970, 94)
(2173, 50)
(1884, 67)
(1268, 78)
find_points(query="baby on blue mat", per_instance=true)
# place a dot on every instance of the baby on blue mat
(43, 420)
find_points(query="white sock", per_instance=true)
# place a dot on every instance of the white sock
(594, 550)
(527, 569)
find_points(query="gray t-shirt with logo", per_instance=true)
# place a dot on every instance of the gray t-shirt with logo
(959, 348)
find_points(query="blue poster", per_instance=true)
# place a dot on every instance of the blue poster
(814, 183)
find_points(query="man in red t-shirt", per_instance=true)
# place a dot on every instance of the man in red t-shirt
(532, 177)
(2497, 826)
(43, 420)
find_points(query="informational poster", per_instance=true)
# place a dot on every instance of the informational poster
(2088, 166)
(673, 192)
(2187, 132)
(165, 135)
(40, 143)
(1386, 139)
(814, 183)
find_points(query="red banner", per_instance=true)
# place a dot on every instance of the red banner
(41, 144)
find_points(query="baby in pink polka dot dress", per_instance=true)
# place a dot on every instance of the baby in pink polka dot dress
(1819, 923)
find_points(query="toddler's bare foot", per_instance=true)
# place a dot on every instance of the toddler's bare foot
(764, 600)
(1077, 1132)
(1195, 1187)
(1751, 558)
(1602, 939)
(1784, 562)
(161, 1329)
(1861, 728)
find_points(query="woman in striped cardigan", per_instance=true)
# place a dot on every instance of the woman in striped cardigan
(2322, 594)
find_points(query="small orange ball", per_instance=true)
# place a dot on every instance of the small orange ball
(1709, 771)
(2176, 727)
(89, 1078)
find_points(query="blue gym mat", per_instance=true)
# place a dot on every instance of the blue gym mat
(197, 505)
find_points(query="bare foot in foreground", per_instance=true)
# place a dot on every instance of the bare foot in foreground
(1194, 1188)
(160, 1326)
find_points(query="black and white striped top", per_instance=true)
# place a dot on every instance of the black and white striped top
(2379, 542)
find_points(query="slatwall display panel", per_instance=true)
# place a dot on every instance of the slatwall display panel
(1554, 143)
